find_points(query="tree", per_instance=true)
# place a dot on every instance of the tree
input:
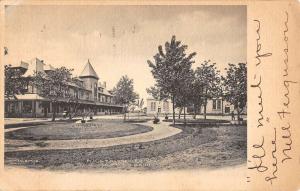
(235, 86)
(73, 99)
(171, 69)
(53, 85)
(183, 94)
(208, 78)
(195, 95)
(124, 93)
(156, 93)
(14, 82)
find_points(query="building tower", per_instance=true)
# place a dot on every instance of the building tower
(90, 79)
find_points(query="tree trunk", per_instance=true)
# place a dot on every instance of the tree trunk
(184, 116)
(124, 113)
(222, 107)
(173, 102)
(195, 111)
(54, 111)
(200, 110)
(205, 104)
(179, 114)
(238, 115)
(70, 114)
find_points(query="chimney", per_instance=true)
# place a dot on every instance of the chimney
(104, 84)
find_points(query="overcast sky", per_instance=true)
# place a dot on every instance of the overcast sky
(119, 40)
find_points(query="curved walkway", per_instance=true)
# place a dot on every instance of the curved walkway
(159, 131)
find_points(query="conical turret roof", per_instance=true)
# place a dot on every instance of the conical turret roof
(89, 71)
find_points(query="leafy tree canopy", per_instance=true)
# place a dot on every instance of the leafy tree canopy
(53, 84)
(235, 85)
(14, 81)
(172, 68)
(124, 92)
(208, 78)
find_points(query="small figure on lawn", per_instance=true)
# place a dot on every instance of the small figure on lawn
(232, 116)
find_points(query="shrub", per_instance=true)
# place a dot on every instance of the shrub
(155, 120)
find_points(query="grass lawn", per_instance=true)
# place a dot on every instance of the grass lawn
(65, 130)
(194, 147)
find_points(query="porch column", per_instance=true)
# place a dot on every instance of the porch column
(33, 108)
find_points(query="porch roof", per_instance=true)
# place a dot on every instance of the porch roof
(26, 97)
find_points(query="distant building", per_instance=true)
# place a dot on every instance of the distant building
(214, 106)
(218, 106)
(91, 94)
(159, 107)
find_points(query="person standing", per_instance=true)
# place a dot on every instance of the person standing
(232, 116)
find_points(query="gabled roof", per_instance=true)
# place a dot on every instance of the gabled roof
(89, 71)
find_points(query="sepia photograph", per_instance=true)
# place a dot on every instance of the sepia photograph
(125, 88)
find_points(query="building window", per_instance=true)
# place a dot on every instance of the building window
(214, 104)
(166, 106)
(95, 91)
(218, 104)
(76, 94)
(153, 106)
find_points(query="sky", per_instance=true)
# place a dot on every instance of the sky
(118, 40)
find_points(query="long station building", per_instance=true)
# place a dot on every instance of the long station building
(92, 95)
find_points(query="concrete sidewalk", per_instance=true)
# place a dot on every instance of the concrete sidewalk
(160, 131)
(8, 121)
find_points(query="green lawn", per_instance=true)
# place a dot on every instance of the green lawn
(65, 130)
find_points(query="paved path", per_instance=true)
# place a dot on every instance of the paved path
(159, 131)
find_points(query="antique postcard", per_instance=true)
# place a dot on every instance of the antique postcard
(150, 95)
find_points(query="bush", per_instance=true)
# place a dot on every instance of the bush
(155, 120)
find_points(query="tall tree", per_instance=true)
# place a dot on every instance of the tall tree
(53, 85)
(124, 93)
(170, 69)
(14, 81)
(209, 78)
(235, 86)
(183, 94)
(195, 95)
